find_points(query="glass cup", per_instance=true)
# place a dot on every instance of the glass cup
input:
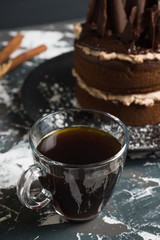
(76, 192)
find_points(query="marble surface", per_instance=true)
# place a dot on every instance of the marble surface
(133, 212)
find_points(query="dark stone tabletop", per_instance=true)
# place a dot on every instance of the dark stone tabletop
(133, 212)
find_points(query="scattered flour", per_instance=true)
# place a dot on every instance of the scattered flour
(139, 193)
(111, 220)
(78, 236)
(149, 236)
(4, 96)
(54, 41)
(58, 96)
(14, 162)
(18, 158)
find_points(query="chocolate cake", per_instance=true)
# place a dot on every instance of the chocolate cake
(117, 59)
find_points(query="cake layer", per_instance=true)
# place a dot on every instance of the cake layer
(115, 76)
(117, 60)
(143, 99)
(133, 115)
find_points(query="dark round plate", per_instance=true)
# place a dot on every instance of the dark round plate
(51, 87)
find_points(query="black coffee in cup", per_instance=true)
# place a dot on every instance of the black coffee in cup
(82, 196)
(79, 145)
(78, 157)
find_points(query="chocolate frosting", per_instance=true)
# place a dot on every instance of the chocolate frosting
(135, 23)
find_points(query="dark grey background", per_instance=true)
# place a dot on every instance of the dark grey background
(18, 13)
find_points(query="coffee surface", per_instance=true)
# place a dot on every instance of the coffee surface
(79, 145)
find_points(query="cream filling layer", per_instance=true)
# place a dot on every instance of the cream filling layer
(102, 55)
(140, 58)
(147, 99)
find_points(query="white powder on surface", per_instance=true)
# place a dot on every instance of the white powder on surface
(78, 236)
(58, 96)
(91, 236)
(149, 236)
(18, 158)
(54, 41)
(100, 237)
(146, 191)
(14, 162)
(149, 179)
(36, 237)
(111, 220)
(70, 27)
(8, 133)
(4, 96)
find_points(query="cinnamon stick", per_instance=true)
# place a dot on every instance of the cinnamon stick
(12, 45)
(4, 68)
(17, 61)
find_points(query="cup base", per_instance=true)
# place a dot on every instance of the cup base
(78, 220)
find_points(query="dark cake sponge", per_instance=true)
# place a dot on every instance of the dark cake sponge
(115, 76)
(134, 115)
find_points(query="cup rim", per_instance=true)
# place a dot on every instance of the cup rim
(98, 164)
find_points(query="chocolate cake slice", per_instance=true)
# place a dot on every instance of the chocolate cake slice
(117, 59)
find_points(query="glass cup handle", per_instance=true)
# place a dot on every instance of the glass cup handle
(24, 186)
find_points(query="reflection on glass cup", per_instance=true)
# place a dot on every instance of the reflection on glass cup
(78, 192)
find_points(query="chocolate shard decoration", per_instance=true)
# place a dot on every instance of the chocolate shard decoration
(118, 16)
(140, 7)
(151, 27)
(140, 11)
(97, 14)
(134, 22)
(124, 3)
(129, 5)
(157, 34)
(102, 17)
(127, 35)
(91, 11)
(133, 14)
(154, 28)
(150, 3)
